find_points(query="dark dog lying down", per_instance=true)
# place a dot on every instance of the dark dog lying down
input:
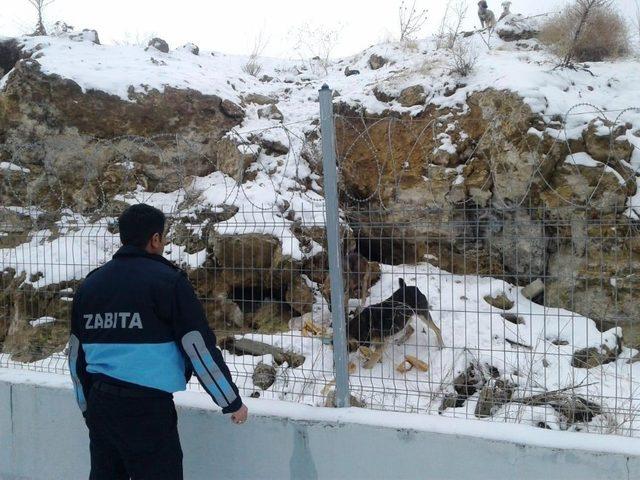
(378, 323)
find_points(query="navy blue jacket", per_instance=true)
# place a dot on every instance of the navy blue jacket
(137, 321)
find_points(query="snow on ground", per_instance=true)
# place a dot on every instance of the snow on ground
(12, 167)
(535, 355)
(612, 86)
(585, 160)
(70, 253)
(42, 321)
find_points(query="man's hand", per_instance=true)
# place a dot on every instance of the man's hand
(241, 415)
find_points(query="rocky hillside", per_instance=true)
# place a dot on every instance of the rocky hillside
(516, 171)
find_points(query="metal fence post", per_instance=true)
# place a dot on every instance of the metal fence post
(332, 221)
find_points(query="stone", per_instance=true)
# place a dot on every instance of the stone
(412, 96)
(513, 318)
(60, 28)
(263, 376)
(15, 227)
(583, 185)
(10, 54)
(514, 28)
(575, 409)
(246, 252)
(608, 146)
(593, 357)
(19, 304)
(191, 48)
(271, 317)
(259, 99)
(231, 109)
(158, 44)
(349, 71)
(465, 385)
(501, 301)
(299, 296)
(270, 112)
(382, 95)
(330, 401)
(493, 395)
(522, 244)
(451, 400)
(582, 276)
(478, 181)
(533, 290)
(376, 62)
(71, 124)
(467, 382)
(230, 161)
(273, 146)
(245, 346)
(86, 35)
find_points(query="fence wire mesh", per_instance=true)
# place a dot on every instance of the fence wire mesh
(490, 263)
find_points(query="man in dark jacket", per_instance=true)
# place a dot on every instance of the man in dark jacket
(138, 331)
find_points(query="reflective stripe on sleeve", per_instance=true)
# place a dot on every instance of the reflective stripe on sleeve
(210, 374)
(74, 348)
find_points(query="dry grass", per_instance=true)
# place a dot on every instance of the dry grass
(252, 67)
(605, 35)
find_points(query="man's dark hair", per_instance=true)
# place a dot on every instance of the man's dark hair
(139, 223)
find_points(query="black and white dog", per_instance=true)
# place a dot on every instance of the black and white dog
(378, 323)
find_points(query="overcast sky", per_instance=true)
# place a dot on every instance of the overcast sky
(230, 26)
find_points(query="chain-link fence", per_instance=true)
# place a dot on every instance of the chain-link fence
(489, 258)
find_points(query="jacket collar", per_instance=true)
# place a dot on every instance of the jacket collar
(128, 251)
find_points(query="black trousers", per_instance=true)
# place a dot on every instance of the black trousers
(133, 438)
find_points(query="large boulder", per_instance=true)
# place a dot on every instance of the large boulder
(259, 99)
(595, 272)
(522, 244)
(10, 54)
(158, 44)
(83, 148)
(376, 61)
(270, 112)
(513, 28)
(300, 296)
(412, 96)
(581, 181)
(192, 48)
(21, 306)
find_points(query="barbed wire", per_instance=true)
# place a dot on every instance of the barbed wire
(78, 185)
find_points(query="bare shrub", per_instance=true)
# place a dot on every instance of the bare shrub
(40, 6)
(411, 19)
(411, 45)
(463, 58)
(454, 15)
(253, 66)
(587, 31)
(315, 46)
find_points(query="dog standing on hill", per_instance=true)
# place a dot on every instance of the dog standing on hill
(506, 10)
(487, 17)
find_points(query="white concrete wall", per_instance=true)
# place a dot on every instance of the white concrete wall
(42, 436)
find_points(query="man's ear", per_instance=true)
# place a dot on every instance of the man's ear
(155, 240)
